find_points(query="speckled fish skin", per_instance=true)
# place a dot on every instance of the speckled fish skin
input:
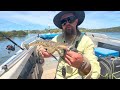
(50, 46)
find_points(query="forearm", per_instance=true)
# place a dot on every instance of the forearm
(85, 67)
(91, 68)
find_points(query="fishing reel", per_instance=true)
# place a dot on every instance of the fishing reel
(10, 48)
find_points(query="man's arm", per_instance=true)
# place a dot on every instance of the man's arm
(86, 62)
(91, 59)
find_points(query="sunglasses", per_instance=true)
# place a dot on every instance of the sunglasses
(70, 19)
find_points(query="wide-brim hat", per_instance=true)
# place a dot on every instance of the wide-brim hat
(78, 14)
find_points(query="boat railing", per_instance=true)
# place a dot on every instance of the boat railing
(16, 57)
(11, 62)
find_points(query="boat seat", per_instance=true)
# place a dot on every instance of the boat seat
(103, 52)
(109, 46)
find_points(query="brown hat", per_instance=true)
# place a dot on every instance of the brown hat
(78, 14)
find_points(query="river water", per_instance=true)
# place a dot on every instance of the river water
(115, 35)
(4, 55)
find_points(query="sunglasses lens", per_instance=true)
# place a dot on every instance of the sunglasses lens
(70, 19)
(63, 22)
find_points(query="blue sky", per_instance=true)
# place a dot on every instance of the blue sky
(38, 20)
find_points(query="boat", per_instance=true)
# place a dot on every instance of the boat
(26, 64)
(48, 35)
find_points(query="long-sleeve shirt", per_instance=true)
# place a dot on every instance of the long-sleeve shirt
(86, 47)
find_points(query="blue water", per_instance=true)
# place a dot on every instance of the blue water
(4, 55)
(115, 35)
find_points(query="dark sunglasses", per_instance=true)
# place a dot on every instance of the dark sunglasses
(70, 19)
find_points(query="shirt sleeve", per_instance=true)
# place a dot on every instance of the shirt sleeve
(90, 55)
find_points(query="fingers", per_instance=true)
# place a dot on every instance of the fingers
(67, 60)
(71, 54)
(43, 51)
(74, 59)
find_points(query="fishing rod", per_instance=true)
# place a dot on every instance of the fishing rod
(11, 40)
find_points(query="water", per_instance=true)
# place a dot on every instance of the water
(115, 35)
(4, 55)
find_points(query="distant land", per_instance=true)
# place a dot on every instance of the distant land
(13, 34)
(20, 33)
(112, 29)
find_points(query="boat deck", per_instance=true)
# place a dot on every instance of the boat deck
(49, 68)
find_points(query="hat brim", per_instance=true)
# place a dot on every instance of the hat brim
(79, 14)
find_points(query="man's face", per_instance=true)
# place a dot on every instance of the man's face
(69, 23)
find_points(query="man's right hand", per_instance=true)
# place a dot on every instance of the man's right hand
(41, 50)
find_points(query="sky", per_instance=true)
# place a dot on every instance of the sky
(39, 20)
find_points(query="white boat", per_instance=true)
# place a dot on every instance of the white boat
(25, 64)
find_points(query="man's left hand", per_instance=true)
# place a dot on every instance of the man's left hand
(73, 58)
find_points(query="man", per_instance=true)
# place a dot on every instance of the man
(80, 61)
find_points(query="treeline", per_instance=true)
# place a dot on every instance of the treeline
(113, 29)
(20, 33)
(13, 33)
(45, 31)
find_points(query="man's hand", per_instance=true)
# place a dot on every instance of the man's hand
(43, 51)
(74, 59)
